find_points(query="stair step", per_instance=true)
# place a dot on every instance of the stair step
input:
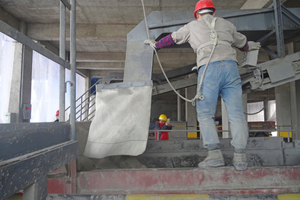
(224, 180)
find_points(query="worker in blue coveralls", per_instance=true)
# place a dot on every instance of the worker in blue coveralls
(212, 39)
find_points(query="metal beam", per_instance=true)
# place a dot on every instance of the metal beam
(262, 39)
(101, 65)
(290, 15)
(184, 83)
(270, 52)
(182, 71)
(26, 138)
(279, 28)
(35, 166)
(66, 3)
(13, 33)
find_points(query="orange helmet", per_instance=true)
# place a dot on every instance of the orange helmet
(57, 112)
(203, 4)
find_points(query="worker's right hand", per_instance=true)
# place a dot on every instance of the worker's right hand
(151, 43)
(253, 45)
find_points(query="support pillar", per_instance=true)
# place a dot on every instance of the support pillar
(178, 107)
(20, 91)
(26, 83)
(15, 89)
(62, 54)
(225, 122)
(283, 107)
(73, 69)
(190, 110)
(295, 97)
(36, 191)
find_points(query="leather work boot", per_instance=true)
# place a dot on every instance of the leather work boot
(240, 161)
(214, 159)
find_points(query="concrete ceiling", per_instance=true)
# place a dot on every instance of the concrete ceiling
(102, 27)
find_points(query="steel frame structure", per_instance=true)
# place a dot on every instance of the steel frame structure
(270, 26)
(26, 163)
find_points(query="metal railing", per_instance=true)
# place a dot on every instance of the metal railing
(85, 109)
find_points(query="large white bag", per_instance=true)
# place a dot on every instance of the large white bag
(121, 122)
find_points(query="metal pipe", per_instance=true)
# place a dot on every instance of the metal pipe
(73, 68)
(62, 50)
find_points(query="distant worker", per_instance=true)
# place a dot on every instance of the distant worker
(162, 124)
(57, 116)
(212, 39)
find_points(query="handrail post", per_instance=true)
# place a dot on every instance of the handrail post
(73, 68)
(81, 108)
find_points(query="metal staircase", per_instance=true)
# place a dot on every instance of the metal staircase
(85, 105)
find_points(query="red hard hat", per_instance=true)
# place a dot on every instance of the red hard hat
(57, 112)
(202, 4)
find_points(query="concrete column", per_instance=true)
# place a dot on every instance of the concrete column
(15, 94)
(20, 91)
(294, 99)
(178, 107)
(283, 107)
(190, 110)
(26, 81)
(225, 122)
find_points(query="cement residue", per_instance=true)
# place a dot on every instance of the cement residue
(255, 160)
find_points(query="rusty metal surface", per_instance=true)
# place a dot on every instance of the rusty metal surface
(59, 185)
(224, 180)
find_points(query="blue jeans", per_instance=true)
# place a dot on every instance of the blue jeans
(222, 78)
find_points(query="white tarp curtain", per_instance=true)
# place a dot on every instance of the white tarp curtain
(7, 48)
(45, 88)
(121, 122)
(255, 107)
(272, 111)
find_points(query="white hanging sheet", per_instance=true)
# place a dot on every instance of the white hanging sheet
(121, 122)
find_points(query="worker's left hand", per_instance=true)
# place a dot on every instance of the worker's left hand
(253, 45)
(151, 43)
